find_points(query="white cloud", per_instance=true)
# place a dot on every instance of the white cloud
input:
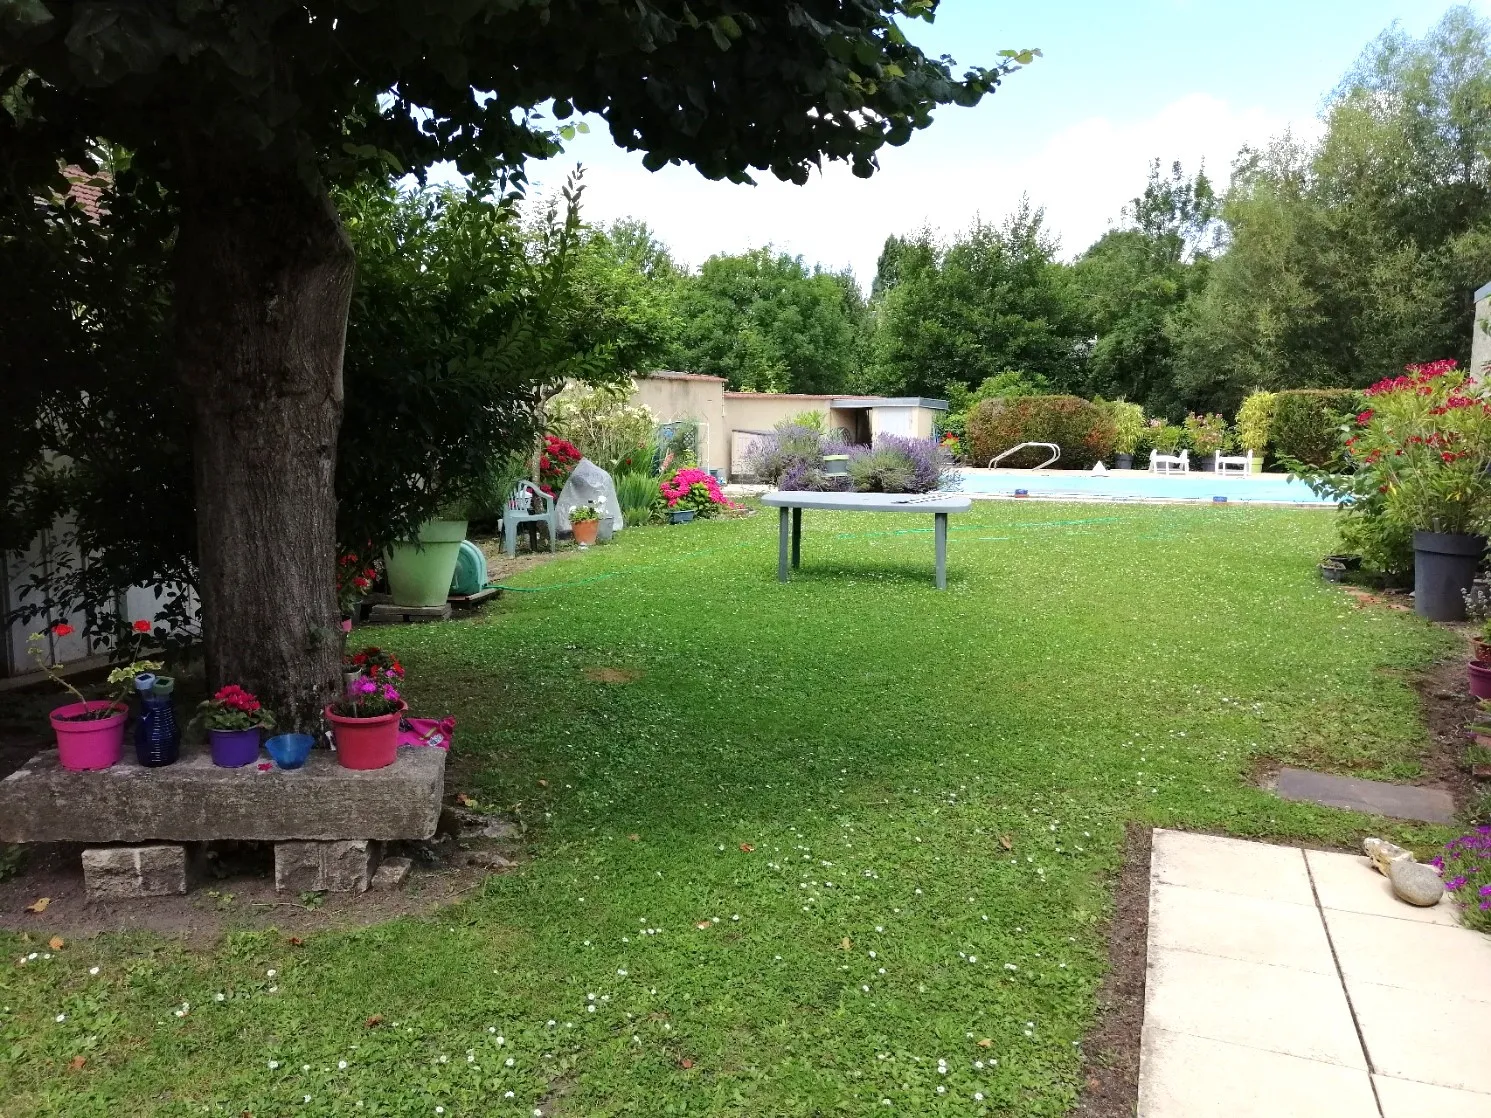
(1082, 175)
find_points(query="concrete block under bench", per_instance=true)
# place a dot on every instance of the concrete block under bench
(195, 801)
(130, 872)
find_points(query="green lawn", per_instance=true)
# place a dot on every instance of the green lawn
(824, 772)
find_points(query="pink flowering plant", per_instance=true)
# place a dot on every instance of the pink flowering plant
(1466, 868)
(368, 698)
(1423, 446)
(693, 488)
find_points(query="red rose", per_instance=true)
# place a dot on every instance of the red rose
(142, 626)
(62, 629)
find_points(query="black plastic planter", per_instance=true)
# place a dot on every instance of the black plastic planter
(1123, 461)
(1444, 566)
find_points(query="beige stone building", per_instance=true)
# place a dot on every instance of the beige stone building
(730, 421)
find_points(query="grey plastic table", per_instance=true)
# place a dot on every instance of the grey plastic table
(938, 504)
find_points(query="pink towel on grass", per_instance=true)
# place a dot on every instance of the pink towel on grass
(427, 731)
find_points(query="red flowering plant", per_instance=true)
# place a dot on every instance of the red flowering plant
(555, 464)
(376, 664)
(354, 579)
(1423, 446)
(693, 488)
(120, 680)
(233, 708)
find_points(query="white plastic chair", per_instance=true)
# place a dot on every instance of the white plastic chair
(517, 512)
(1170, 463)
(1235, 464)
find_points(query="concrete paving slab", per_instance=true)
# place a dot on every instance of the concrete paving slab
(1396, 801)
(1191, 1077)
(1278, 1009)
(1224, 865)
(1237, 927)
(1348, 883)
(1429, 958)
(1428, 1038)
(1402, 1098)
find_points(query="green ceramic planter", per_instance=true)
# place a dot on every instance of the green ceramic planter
(419, 573)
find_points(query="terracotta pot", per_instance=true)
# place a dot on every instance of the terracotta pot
(89, 743)
(586, 531)
(366, 743)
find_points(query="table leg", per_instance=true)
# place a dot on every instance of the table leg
(782, 546)
(940, 534)
(796, 538)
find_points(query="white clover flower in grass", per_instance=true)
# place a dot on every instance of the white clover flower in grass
(341, 1065)
(507, 1094)
(270, 973)
(61, 1017)
(92, 970)
(509, 1062)
(274, 1065)
(440, 1110)
(978, 1096)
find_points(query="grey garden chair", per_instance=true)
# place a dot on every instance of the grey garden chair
(518, 512)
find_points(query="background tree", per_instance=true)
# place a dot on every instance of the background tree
(765, 322)
(1350, 257)
(1136, 279)
(992, 300)
(246, 114)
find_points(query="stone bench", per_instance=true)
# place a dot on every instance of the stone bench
(324, 820)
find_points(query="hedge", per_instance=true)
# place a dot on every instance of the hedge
(1084, 431)
(1307, 423)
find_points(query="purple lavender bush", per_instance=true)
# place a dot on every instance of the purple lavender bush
(791, 458)
(898, 464)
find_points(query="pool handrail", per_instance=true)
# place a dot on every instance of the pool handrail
(1055, 455)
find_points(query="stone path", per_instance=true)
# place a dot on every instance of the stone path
(1396, 801)
(1286, 983)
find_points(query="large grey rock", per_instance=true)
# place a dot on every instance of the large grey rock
(130, 872)
(323, 867)
(195, 801)
(1416, 883)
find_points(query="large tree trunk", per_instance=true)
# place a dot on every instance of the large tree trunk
(263, 282)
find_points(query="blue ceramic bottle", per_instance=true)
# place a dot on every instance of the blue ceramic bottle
(157, 736)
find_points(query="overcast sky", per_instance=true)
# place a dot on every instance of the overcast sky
(1121, 82)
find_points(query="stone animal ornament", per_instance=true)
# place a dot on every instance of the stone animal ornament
(1412, 882)
(1384, 854)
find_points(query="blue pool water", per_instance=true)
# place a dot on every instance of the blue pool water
(1076, 485)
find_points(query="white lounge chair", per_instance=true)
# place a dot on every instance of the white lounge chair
(1170, 463)
(1236, 464)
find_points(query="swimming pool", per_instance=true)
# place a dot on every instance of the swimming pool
(1137, 485)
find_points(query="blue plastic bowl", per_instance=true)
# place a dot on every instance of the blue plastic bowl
(290, 750)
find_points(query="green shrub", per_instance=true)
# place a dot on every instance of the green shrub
(1128, 424)
(1084, 431)
(1207, 434)
(1307, 423)
(1165, 437)
(636, 494)
(1254, 419)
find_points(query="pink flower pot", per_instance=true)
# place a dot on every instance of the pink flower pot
(366, 743)
(1480, 679)
(90, 743)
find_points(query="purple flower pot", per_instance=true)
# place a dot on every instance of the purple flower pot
(1480, 679)
(232, 749)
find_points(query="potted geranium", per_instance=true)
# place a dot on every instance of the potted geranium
(372, 662)
(585, 522)
(234, 719)
(365, 724)
(90, 732)
(354, 580)
(1424, 446)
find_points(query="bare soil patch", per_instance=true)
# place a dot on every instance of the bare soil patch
(612, 675)
(1111, 1089)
